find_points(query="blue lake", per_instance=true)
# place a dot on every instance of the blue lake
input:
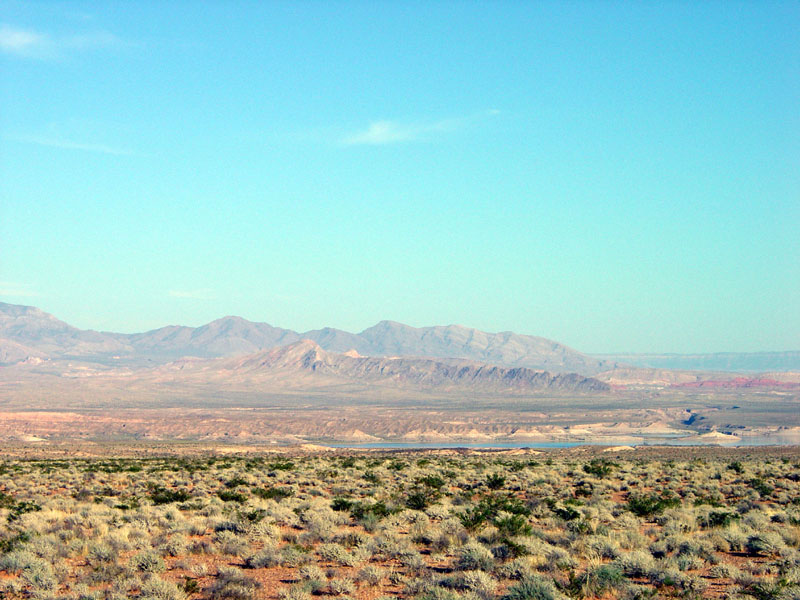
(422, 445)
(661, 441)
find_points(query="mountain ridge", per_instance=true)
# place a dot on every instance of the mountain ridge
(231, 335)
(320, 367)
(29, 332)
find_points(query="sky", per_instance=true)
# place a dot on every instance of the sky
(620, 177)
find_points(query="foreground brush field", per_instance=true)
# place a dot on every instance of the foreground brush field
(519, 525)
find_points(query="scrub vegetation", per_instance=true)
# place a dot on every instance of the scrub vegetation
(417, 525)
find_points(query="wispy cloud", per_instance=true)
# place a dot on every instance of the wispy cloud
(202, 294)
(17, 290)
(71, 145)
(35, 44)
(384, 132)
(20, 41)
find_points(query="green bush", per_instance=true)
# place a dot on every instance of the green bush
(495, 481)
(273, 493)
(160, 495)
(231, 496)
(599, 467)
(647, 506)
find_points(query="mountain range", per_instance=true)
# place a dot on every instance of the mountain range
(28, 332)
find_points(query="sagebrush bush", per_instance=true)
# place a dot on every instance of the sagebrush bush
(533, 588)
(474, 556)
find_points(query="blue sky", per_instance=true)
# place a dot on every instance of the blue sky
(616, 176)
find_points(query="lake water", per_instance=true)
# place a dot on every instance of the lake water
(439, 445)
(746, 441)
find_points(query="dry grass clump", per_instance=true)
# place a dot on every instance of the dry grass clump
(421, 526)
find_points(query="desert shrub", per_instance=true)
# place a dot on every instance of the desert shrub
(295, 592)
(40, 575)
(232, 584)
(583, 489)
(106, 572)
(723, 570)
(370, 522)
(693, 546)
(12, 541)
(352, 539)
(267, 557)
(161, 495)
(371, 575)
(474, 557)
(281, 465)
(15, 562)
(596, 581)
(671, 577)
(520, 568)
(533, 588)
(176, 545)
(646, 506)
(421, 498)
(336, 554)
(489, 508)
(495, 481)
(413, 561)
(736, 466)
(11, 587)
(232, 496)
(690, 563)
(232, 544)
(236, 481)
(599, 467)
(513, 525)
(234, 527)
(472, 581)
(735, 538)
(635, 564)
(371, 477)
(341, 586)
(157, 589)
(273, 493)
(472, 518)
(148, 562)
(761, 486)
(765, 544)
(567, 513)
(718, 518)
(341, 504)
(100, 553)
(428, 592)
(771, 589)
(293, 555)
(360, 510)
(313, 576)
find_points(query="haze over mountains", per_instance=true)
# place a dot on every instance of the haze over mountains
(29, 332)
(733, 362)
(232, 356)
